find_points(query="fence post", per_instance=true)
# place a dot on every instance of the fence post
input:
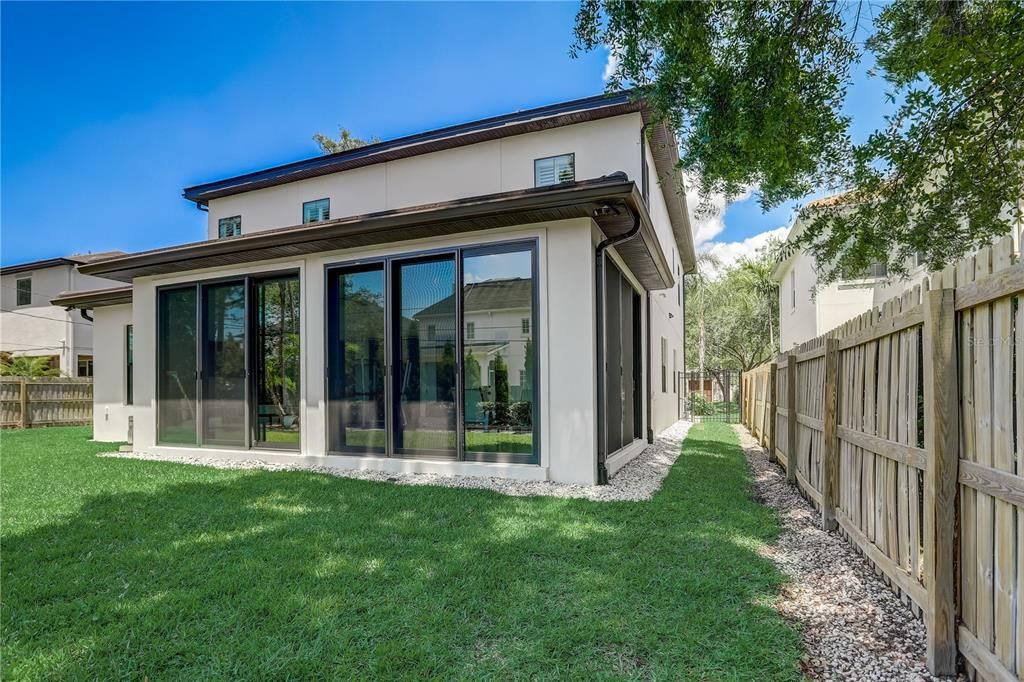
(23, 400)
(791, 408)
(830, 456)
(941, 442)
(773, 410)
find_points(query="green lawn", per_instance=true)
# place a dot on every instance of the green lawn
(124, 569)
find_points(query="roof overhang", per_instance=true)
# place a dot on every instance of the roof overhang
(527, 121)
(612, 202)
(665, 150)
(95, 298)
(36, 265)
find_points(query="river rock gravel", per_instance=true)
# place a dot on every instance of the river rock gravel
(637, 480)
(853, 627)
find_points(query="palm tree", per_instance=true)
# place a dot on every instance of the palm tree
(701, 297)
(26, 366)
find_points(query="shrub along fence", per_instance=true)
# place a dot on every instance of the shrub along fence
(904, 428)
(45, 401)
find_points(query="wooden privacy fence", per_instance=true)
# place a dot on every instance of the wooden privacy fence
(45, 401)
(904, 428)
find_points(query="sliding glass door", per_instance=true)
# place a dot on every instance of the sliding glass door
(177, 376)
(434, 356)
(228, 363)
(224, 364)
(425, 420)
(276, 358)
(357, 412)
(499, 353)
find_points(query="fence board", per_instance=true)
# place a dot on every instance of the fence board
(910, 475)
(45, 401)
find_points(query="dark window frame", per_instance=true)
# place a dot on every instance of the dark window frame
(89, 366)
(199, 286)
(233, 222)
(459, 252)
(20, 291)
(324, 213)
(129, 365)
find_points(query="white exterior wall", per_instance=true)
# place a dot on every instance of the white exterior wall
(816, 312)
(565, 341)
(110, 385)
(40, 329)
(601, 147)
(565, 334)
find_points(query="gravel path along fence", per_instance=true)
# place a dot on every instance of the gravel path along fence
(852, 625)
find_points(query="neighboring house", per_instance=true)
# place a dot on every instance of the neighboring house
(30, 325)
(806, 311)
(497, 298)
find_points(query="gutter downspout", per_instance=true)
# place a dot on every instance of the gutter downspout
(646, 191)
(85, 314)
(647, 372)
(602, 364)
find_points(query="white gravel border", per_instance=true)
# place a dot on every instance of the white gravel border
(853, 627)
(638, 480)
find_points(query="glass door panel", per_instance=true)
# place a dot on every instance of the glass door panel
(224, 364)
(276, 362)
(498, 330)
(424, 379)
(356, 352)
(177, 389)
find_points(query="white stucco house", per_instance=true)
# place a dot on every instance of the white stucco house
(495, 298)
(807, 311)
(30, 325)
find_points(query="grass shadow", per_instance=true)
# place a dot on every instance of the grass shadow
(172, 571)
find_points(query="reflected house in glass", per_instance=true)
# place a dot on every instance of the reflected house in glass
(485, 299)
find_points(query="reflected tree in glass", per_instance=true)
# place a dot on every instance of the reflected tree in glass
(356, 347)
(498, 327)
(276, 303)
(425, 416)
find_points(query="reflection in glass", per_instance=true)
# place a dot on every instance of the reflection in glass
(276, 355)
(425, 411)
(223, 355)
(356, 359)
(499, 360)
(176, 366)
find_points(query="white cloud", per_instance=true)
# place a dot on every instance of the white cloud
(730, 252)
(610, 65)
(708, 219)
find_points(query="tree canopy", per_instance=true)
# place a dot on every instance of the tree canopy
(755, 91)
(346, 141)
(732, 313)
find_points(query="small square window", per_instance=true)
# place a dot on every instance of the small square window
(24, 287)
(470, 330)
(525, 325)
(229, 227)
(554, 169)
(315, 211)
(85, 365)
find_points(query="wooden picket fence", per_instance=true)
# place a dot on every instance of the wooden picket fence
(905, 428)
(45, 401)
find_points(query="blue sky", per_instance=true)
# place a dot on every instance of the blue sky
(109, 110)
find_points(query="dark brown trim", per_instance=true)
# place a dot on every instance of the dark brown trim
(507, 125)
(94, 298)
(584, 199)
(37, 265)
